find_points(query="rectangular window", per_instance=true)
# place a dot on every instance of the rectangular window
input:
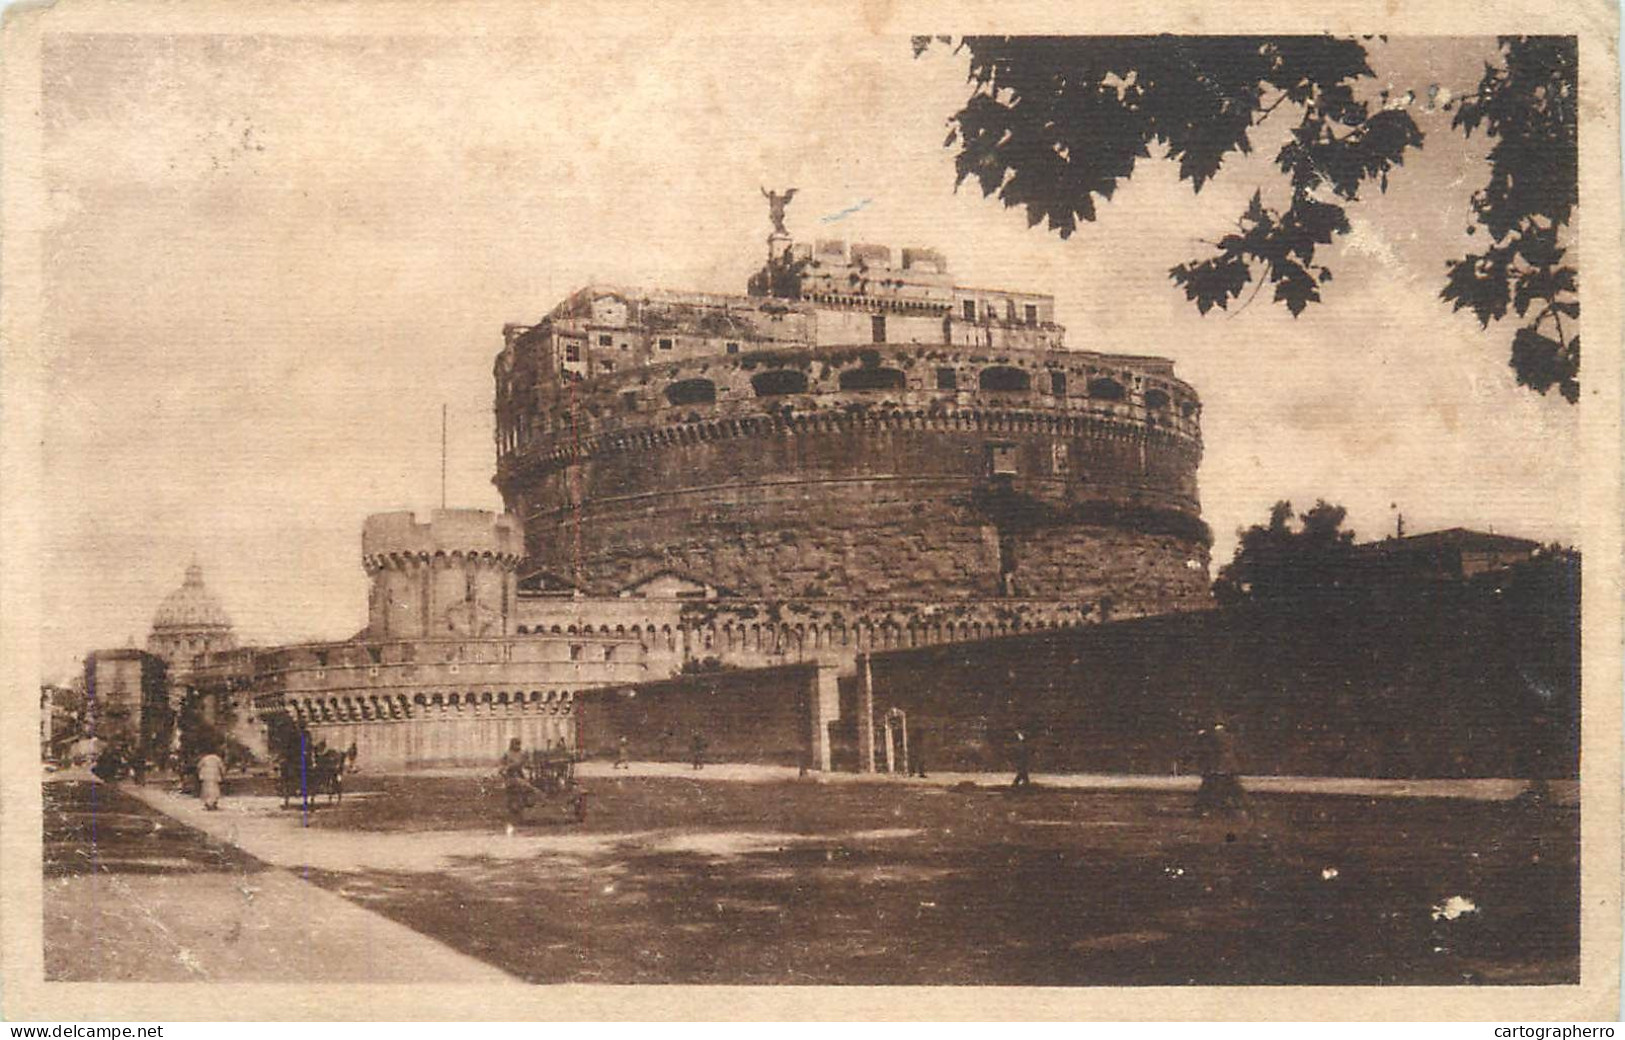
(575, 652)
(947, 379)
(606, 341)
(1057, 383)
(1001, 459)
(1032, 314)
(607, 366)
(665, 344)
(733, 348)
(970, 310)
(629, 400)
(572, 350)
(1010, 311)
(877, 327)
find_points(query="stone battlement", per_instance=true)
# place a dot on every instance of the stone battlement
(466, 532)
(1117, 394)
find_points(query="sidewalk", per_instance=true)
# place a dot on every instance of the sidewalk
(258, 825)
(1564, 792)
(136, 917)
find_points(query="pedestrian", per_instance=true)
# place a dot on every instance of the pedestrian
(918, 748)
(1024, 761)
(1221, 789)
(211, 772)
(621, 759)
(696, 749)
(511, 768)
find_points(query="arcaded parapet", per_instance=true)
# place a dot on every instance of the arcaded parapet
(455, 575)
(415, 703)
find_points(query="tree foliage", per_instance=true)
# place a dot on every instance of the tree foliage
(203, 731)
(1054, 124)
(1529, 105)
(1279, 562)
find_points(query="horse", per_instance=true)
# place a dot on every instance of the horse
(320, 772)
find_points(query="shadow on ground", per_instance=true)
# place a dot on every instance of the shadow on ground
(803, 883)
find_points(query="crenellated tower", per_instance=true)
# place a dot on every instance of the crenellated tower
(453, 576)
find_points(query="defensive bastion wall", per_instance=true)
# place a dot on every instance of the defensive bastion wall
(419, 703)
(889, 471)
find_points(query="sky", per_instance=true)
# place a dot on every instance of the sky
(270, 260)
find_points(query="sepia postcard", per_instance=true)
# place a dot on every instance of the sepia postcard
(870, 511)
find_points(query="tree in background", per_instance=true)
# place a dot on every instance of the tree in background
(204, 730)
(1279, 563)
(1052, 123)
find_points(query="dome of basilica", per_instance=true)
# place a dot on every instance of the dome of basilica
(191, 608)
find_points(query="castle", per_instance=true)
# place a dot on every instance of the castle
(859, 442)
(856, 454)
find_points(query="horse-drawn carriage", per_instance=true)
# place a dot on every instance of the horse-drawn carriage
(543, 777)
(314, 772)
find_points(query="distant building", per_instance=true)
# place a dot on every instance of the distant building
(1455, 554)
(190, 621)
(126, 695)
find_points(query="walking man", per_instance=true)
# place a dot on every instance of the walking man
(211, 772)
(1024, 761)
(696, 748)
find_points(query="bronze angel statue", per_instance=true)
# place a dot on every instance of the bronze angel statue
(775, 207)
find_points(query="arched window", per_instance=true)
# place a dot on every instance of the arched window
(873, 379)
(1106, 389)
(1156, 398)
(1003, 377)
(692, 391)
(779, 381)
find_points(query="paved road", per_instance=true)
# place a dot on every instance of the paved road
(134, 895)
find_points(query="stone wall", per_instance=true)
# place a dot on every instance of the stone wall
(759, 716)
(741, 633)
(872, 493)
(1460, 683)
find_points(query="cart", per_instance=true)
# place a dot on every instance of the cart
(547, 779)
